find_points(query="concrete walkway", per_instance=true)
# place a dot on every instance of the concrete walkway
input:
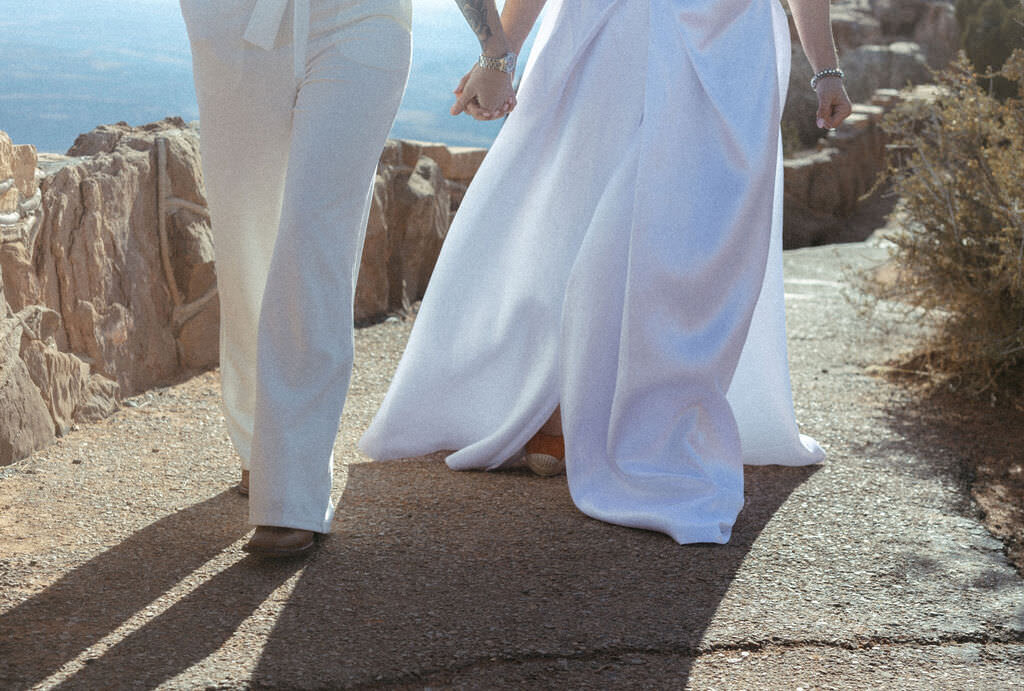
(120, 561)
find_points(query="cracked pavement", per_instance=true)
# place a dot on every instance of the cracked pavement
(120, 560)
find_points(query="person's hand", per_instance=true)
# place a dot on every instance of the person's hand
(484, 94)
(834, 104)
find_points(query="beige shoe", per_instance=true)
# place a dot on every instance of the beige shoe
(545, 454)
(273, 541)
(243, 486)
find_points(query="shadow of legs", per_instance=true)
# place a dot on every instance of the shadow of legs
(55, 626)
(190, 630)
(438, 577)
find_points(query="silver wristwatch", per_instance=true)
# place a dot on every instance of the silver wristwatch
(506, 63)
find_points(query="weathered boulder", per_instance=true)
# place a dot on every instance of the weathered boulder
(373, 291)
(891, 66)
(19, 214)
(824, 186)
(409, 218)
(18, 188)
(456, 163)
(897, 17)
(930, 23)
(938, 32)
(419, 217)
(70, 391)
(853, 24)
(43, 390)
(25, 423)
(119, 253)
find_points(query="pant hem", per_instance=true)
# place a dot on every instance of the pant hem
(297, 523)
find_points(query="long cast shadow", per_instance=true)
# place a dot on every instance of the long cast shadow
(54, 627)
(189, 631)
(434, 577)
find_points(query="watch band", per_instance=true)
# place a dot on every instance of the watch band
(506, 63)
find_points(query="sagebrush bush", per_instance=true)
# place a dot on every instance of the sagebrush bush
(958, 164)
(989, 31)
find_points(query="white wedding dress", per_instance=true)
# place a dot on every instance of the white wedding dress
(608, 258)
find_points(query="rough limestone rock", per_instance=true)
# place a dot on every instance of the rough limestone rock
(409, 218)
(930, 23)
(25, 423)
(823, 187)
(188, 268)
(70, 392)
(19, 215)
(419, 220)
(373, 292)
(18, 188)
(123, 254)
(43, 390)
(891, 66)
(938, 32)
(853, 25)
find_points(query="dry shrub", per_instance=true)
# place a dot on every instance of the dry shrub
(958, 164)
(991, 30)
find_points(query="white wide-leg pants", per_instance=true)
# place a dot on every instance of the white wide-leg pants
(296, 98)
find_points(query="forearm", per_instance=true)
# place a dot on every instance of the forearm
(518, 18)
(482, 17)
(814, 26)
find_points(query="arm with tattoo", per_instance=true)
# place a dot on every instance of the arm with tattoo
(482, 17)
(485, 93)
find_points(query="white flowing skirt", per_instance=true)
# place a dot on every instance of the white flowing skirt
(619, 254)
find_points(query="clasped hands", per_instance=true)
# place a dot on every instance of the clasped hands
(484, 94)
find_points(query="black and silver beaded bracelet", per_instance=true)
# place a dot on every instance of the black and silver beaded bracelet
(830, 72)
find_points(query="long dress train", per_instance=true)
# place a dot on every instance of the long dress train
(608, 258)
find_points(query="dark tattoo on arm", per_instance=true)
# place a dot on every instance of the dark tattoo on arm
(475, 12)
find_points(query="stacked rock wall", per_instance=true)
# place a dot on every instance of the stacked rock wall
(108, 279)
(417, 190)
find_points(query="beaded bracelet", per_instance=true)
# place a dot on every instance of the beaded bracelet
(830, 72)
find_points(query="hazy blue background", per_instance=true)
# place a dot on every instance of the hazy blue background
(69, 65)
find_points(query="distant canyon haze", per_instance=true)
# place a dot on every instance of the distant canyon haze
(70, 66)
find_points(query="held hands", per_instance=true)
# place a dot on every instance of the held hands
(834, 104)
(484, 94)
